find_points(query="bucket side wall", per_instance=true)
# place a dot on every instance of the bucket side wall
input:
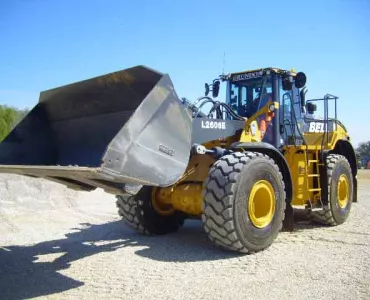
(154, 146)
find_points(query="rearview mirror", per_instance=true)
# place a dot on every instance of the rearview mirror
(206, 86)
(300, 80)
(302, 94)
(215, 88)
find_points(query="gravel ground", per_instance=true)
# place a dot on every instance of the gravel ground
(56, 243)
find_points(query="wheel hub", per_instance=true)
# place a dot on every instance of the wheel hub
(261, 204)
(342, 191)
(160, 201)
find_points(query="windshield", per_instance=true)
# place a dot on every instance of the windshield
(247, 96)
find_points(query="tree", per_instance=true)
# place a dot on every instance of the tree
(363, 152)
(20, 114)
(9, 118)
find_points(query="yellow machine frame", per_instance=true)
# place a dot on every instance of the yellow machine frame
(303, 163)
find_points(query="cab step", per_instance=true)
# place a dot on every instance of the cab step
(317, 209)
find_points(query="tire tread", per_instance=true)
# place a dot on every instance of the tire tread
(219, 223)
(325, 217)
(138, 215)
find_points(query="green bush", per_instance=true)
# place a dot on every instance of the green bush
(9, 118)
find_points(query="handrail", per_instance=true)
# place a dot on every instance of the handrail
(326, 119)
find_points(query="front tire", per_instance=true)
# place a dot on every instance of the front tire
(139, 213)
(340, 192)
(244, 202)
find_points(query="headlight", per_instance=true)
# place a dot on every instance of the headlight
(272, 107)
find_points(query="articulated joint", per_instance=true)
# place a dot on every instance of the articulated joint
(215, 152)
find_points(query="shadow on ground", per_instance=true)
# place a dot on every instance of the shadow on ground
(23, 275)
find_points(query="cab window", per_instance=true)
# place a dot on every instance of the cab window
(248, 96)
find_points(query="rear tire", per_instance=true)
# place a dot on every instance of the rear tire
(340, 192)
(230, 195)
(138, 212)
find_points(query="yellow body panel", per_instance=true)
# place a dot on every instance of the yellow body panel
(297, 164)
(314, 140)
(302, 172)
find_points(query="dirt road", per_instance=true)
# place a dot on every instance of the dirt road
(60, 244)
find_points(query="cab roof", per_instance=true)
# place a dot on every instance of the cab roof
(272, 69)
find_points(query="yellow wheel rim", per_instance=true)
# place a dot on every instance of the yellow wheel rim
(159, 197)
(343, 191)
(261, 204)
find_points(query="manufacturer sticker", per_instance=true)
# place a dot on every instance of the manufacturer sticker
(247, 76)
(213, 125)
(316, 127)
(166, 150)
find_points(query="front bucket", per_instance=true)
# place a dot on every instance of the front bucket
(124, 127)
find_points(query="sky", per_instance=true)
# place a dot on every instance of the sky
(45, 44)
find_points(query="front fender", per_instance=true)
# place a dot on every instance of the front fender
(277, 156)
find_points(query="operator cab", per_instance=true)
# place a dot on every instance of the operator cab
(248, 92)
(247, 96)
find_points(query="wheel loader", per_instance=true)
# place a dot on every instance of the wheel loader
(239, 165)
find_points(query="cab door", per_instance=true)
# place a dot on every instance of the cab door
(291, 121)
